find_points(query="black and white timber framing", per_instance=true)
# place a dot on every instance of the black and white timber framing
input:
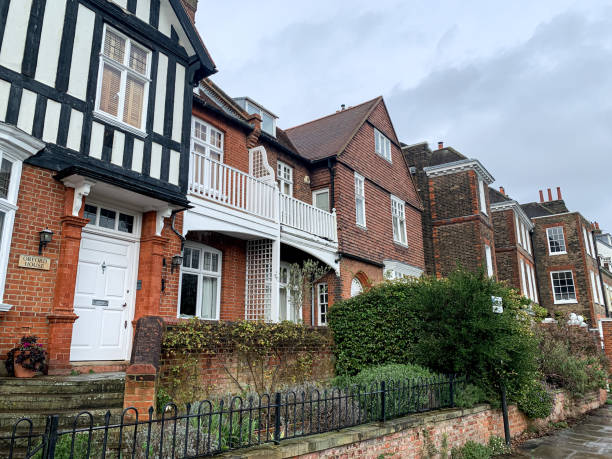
(49, 65)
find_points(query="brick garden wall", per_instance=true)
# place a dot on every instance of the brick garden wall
(409, 437)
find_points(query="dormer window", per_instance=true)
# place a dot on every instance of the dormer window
(268, 119)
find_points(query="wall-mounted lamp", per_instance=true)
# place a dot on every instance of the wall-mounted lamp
(45, 236)
(177, 261)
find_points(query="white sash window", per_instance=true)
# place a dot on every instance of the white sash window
(200, 292)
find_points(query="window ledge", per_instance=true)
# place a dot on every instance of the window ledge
(557, 253)
(5, 307)
(362, 227)
(566, 302)
(401, 244)
(101, 116)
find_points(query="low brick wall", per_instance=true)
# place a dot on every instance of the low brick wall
(406, 437)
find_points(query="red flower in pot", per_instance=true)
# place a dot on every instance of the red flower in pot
(27, 359)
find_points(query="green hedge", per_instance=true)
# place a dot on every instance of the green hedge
(446, 325)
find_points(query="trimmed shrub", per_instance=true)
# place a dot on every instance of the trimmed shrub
(376, 327)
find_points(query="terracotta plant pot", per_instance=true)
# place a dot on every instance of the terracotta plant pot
(21, 372)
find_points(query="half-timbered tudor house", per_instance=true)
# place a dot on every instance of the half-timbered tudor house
(95, 128)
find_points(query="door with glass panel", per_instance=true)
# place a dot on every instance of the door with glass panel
(200, 291)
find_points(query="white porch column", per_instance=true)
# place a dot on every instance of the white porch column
(274, 312)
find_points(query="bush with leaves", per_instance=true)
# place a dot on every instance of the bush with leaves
(534, 400)
(571, 359)
(447, 325)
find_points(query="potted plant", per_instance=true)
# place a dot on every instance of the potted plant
(25, 360)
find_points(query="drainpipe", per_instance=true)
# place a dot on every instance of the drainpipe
(181, 237)
(332, 176)
(601, 281)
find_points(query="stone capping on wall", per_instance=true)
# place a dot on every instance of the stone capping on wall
(404, 436)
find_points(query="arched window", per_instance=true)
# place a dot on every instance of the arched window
(356, 287)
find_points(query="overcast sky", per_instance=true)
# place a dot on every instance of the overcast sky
(524, 86)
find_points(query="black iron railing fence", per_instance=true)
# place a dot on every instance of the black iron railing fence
(208, 428)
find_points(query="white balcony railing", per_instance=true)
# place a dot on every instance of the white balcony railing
(231, 187)
(303, 216)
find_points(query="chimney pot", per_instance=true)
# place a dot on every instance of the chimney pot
(559, 197)
(541, 196)
(549, 194)
(440, 145)
(502, 191)
(343, 107)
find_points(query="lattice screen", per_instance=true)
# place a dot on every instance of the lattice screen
(259, 280)
(258, 165)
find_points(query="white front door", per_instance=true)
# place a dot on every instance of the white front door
(103, 298)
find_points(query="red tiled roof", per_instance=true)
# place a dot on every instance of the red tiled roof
(328, 136)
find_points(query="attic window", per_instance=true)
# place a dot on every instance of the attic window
(268, 123)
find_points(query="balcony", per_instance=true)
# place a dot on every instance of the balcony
(230, 187)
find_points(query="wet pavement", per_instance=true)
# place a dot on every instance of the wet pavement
(590, 438)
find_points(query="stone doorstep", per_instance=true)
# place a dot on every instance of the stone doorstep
(320, 442)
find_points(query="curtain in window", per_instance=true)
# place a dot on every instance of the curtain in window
(134, 99)
(209, 297)
(111, 86)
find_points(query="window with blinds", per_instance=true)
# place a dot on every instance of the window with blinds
(124, 79)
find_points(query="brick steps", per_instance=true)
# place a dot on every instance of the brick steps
(100, 366)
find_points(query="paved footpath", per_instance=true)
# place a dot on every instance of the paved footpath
(592, 437)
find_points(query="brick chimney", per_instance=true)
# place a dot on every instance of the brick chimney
(191, 6)
(559, 197)
(541, 196)
(440, 145)
(255, 121)
(549, 195)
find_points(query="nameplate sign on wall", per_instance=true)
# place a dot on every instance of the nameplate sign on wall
(34, 262)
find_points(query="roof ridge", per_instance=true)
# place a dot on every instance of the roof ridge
(333, 114)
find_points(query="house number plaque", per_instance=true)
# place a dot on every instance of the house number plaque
(34, 262)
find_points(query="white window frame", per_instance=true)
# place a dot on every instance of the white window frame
(482, 198)
(594, 287)
(317, 193)
(94, 225)
(519, 233)
(382, 145)
(207, 145)
(125, 71)
(528, 241)
(552, 285)
(489, 259)
(533, 284)
(600, 290)
(398, 212)
(356, 287)
(524, 288)
(8, 206)
(561, 252)
(586, 241)
(281, 168)
(201, 272)
(530, 288)
(322, 289)
(360, 199)
(591, 244)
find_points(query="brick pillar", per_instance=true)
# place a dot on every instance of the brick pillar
(148, 298)
(62, 317)
(606, 331)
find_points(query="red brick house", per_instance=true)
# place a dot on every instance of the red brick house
(566, 260)
(264, 198)
(513, 251)
(457, 220)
